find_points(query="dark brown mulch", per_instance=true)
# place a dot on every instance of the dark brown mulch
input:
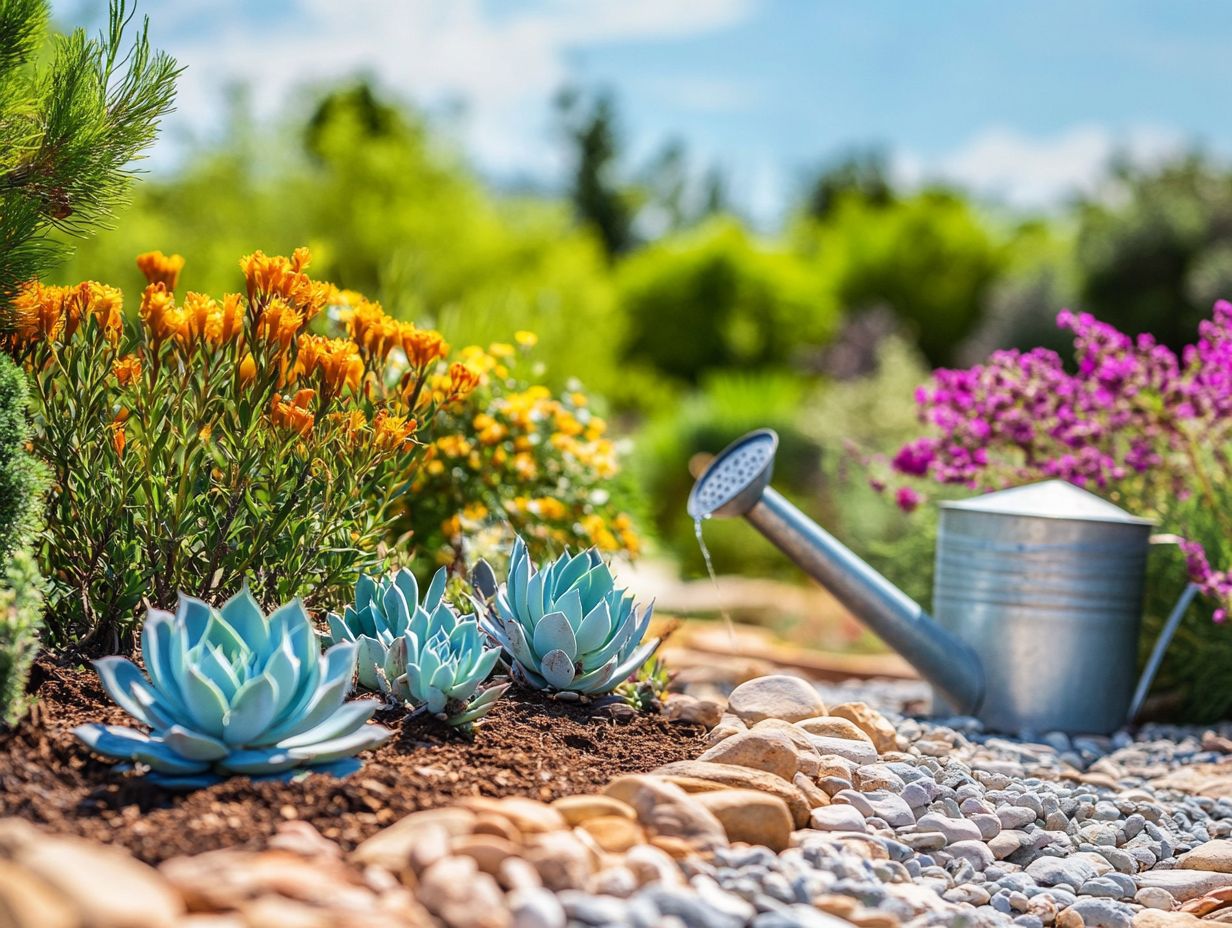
(529, 746)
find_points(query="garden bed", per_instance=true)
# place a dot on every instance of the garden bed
(529, 746)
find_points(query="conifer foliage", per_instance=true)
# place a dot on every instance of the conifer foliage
(75, 112)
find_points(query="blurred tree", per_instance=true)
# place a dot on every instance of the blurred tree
(861, 174)
(68, 131)
(713, 297)
(930, 257)
(1157, 251)
(598, 199)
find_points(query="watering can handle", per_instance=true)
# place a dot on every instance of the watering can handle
(1161, 645)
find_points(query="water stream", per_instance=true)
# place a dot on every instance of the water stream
(714, 579)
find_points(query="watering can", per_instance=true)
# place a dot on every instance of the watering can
(1037, 598)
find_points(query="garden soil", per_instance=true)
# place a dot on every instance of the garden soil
(528, 746)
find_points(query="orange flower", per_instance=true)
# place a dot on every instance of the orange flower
(127, 369)
(159, 313)
(197, 311)
(285, 279)
(370, 328)
(227, 322)
(119, 439)
(38, 312)
(248, 368)
(294, 415)
(279, 322)
(392, 432)
(421, 346)
(106, 305)
(159, 268)
(352, 422)
(462, 380)
(337, 359)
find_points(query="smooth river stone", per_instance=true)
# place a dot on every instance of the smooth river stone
(775, 697)
(761, 749)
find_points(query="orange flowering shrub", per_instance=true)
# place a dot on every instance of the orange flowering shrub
(514, 458)
(217, 441)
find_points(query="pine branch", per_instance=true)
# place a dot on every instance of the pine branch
(69, 134)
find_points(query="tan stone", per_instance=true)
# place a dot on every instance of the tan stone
(743, 778)
(456, 892)
(665, 810)
(832, 765)
(652, 865)
(684, 708)
(562, 861)
(28, 902)
(577, 809)
(529, 816)
(766, 750)
(489, 823)
(807, 758)
(1215, 856)
(875, 725)
(1185, 884)
(1156, 918)
(516, 873)
(777, 696)
(751, 816)
(432, 845)
(105, 885)
(696, 785)
(831, 727)
(813, 794)
(488, 851)
(614, 833)
(391, 847)
(676, 848)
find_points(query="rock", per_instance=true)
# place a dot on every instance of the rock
(1012, 817)
(651, 865)
(433, 845)
(562, 861)
(458, 894)
(614, 833)
(837, 818)
(391, 847)
(1007, 842)
(760, 749)
(666, 810)
(301, 838)
(105, 886)
(529, 816)
(975, 853)
(577, 809)
(775, 697)
(532, 907)
(742, 778)
(1214, 856)
(28, 902)
(876, 777)
(813, 794)
(1096, 913)
(751, 816)
(488, 851)
(829, 727)
(1153, 918)
(1049, 871)
(954, 829)
(809, 763)
(684, 708)
(516, 873)
(858, 752)
(1152, 897)
(614, 880)
(1184, 885)
(878, 729)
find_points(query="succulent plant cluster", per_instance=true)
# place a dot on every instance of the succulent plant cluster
(424, 653)
(566, 627)
(231, 691)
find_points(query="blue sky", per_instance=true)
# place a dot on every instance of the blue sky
(1023, 102)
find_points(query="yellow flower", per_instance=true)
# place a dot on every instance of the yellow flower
(248, 368)
(526, 339)
(475, 512)
(127, 369)
(500, 350)
(159, 268)
(392, 432)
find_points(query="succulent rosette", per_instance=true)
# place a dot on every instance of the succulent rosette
(229, 691)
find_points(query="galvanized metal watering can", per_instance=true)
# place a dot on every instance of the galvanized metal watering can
(1037, 598)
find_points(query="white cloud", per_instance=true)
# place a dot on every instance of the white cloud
(503, 68)
(1025, 171)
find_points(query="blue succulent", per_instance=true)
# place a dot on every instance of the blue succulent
(230, 691)
(422, 654)
(566, 627)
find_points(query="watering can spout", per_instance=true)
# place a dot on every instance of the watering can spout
(736, 483)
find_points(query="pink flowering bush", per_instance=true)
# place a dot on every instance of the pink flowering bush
(1126, 417)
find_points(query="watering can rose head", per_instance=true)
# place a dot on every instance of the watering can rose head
(230, 691)
(565, 627)
(423, 654)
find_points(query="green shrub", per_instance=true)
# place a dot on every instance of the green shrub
(22, 482)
